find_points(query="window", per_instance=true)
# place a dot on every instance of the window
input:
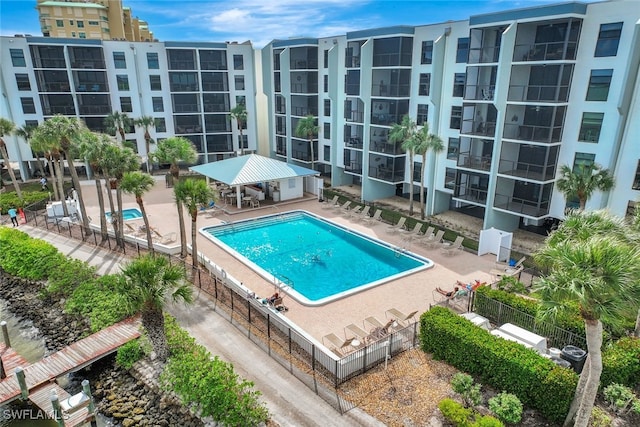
(590, 128)
(94, 23)
(59, 23)
(22, 80)
(450, 178)
(463, 49)
(608, 39)
(423, 114)
(17, 58)
(158, 105)
(327, 107)
(325, 59)
(452, 150)
(119, 60)
(161, 125)
(28, 107)
(71, 22)
(239, 82)
(599, 85)
(82, 35)
(427, 52)
(583, 159)
(425, 82)
(636, 180)
(238, 62)
(241, 100)
(326, 130)
(30, 123)
(155, 83)
(456, 117)
(123, 82)
(327, 153)
(80, 24)
(326, 84)
(458, 84)
(152, 61)
(125, 104)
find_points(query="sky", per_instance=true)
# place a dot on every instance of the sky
(262, 21)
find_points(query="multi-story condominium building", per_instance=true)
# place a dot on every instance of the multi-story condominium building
(91, 19)
(189, 88)
(514, 95)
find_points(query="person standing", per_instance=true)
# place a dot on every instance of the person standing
(43, 183)
(13, 213)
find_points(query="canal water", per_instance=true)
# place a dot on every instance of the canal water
(26, 340)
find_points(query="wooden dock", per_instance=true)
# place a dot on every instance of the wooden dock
(40, 375)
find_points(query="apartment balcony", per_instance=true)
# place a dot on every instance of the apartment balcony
(484, 55)
(214, 87)
(304, 87)
(183, 65)
(484, 45)
(303, 156)
(94, 110)
(540, 83)
(67, 110)
(386, 173)
(352, 61)
(49, 63)
(470, 161)
(546, 134)
(354, 142)
(531, 171)
(220, 147)
(530, 162)
(479, 92)
(555, 51)
(353, 167)
(535, 93)
(470, 193)
(188, 129)
(354, 116)
(532, 208)
(303, 64)
(91, 64)
(480, 128)
(191, 108)
(386, 147)
(62, 86)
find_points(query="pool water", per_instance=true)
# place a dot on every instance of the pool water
(319, 260)
(127, 214)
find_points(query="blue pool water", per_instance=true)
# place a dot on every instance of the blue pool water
(127, 214)
(320, 261)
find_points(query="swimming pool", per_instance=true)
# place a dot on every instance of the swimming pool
(319, 261)
(127, 214)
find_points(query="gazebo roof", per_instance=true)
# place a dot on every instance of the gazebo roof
(251, 169)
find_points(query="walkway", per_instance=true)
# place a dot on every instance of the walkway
(290, 403)
(39, 375)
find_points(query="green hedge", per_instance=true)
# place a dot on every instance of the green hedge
(10, 199)
(621, 363)
(28, 258)
(504, 365)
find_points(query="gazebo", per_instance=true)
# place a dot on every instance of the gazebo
(278, 180)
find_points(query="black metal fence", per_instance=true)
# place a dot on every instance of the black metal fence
(499, 313)
(305, 358)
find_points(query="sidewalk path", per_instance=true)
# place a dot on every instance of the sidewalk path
(289, 401)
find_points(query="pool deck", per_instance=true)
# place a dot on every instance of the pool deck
(407, 294)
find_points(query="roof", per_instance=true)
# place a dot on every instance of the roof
(72, 4)
(251, 169)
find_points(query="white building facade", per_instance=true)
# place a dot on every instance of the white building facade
(188, 88)
(514, 95)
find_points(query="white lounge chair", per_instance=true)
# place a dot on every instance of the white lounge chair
(453, 248)
(166, 238)
(328, 204)
(375, 219)
(344, 206)
(399, 316)
(358, 332)
(398, 226)
(363, 215)
(351, 212)
(378, 329)
(434, 240)
(338, 345)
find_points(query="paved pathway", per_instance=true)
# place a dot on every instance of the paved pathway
(289, 401)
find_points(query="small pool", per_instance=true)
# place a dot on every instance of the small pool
(319, 261)
(127, 214)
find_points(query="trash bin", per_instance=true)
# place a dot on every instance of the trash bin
(574, 355)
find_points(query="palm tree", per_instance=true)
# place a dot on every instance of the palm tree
(307, 128)
(93, 150)
(38, 145)
(117, 161)
(149, 281)
(173, 150)
(52, 149)
(6, 128)
(405, 134)
(147, 122)
(583, 181)
(192, 194)
(26, 132)
(138, 183)
(66, 133)
(590, 263)
(239, 113)
(117, 122)
(426, 142)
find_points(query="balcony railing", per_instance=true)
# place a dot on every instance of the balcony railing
(56, 87)
(478, 127)
(354, 116)
(49, 63)
(483, 55)
(354, 142)
(185, 129)
(352, 62)
(220, 148)
(553, 51)
(303, 155)
(353, 167)
(58, 109)
(390, 90)
(468, 160)
(479, 92)
(384, 119)
(386, 147)
(94, 109)
(304, 111)
(301, 64)
(527, 170)
(536, 209)
(547, 93)
(188, 108)
(304, 88)
(214, 87)
(182, 65)
(470, 193)
(281, 150)
(212, 108)
(386, 174)
(90, 64)
(533, 133)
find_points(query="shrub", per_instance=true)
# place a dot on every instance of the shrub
(635, 406)
(487, 421)
(28, 258)
(455, 413)
(621, 363)
(99, 301)
(600, 418)
(11, 199)
(512, 285)
(64, 279)
(619, 397)
(507, 407)
(505, 365)
(470, 392)
(129, 354)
